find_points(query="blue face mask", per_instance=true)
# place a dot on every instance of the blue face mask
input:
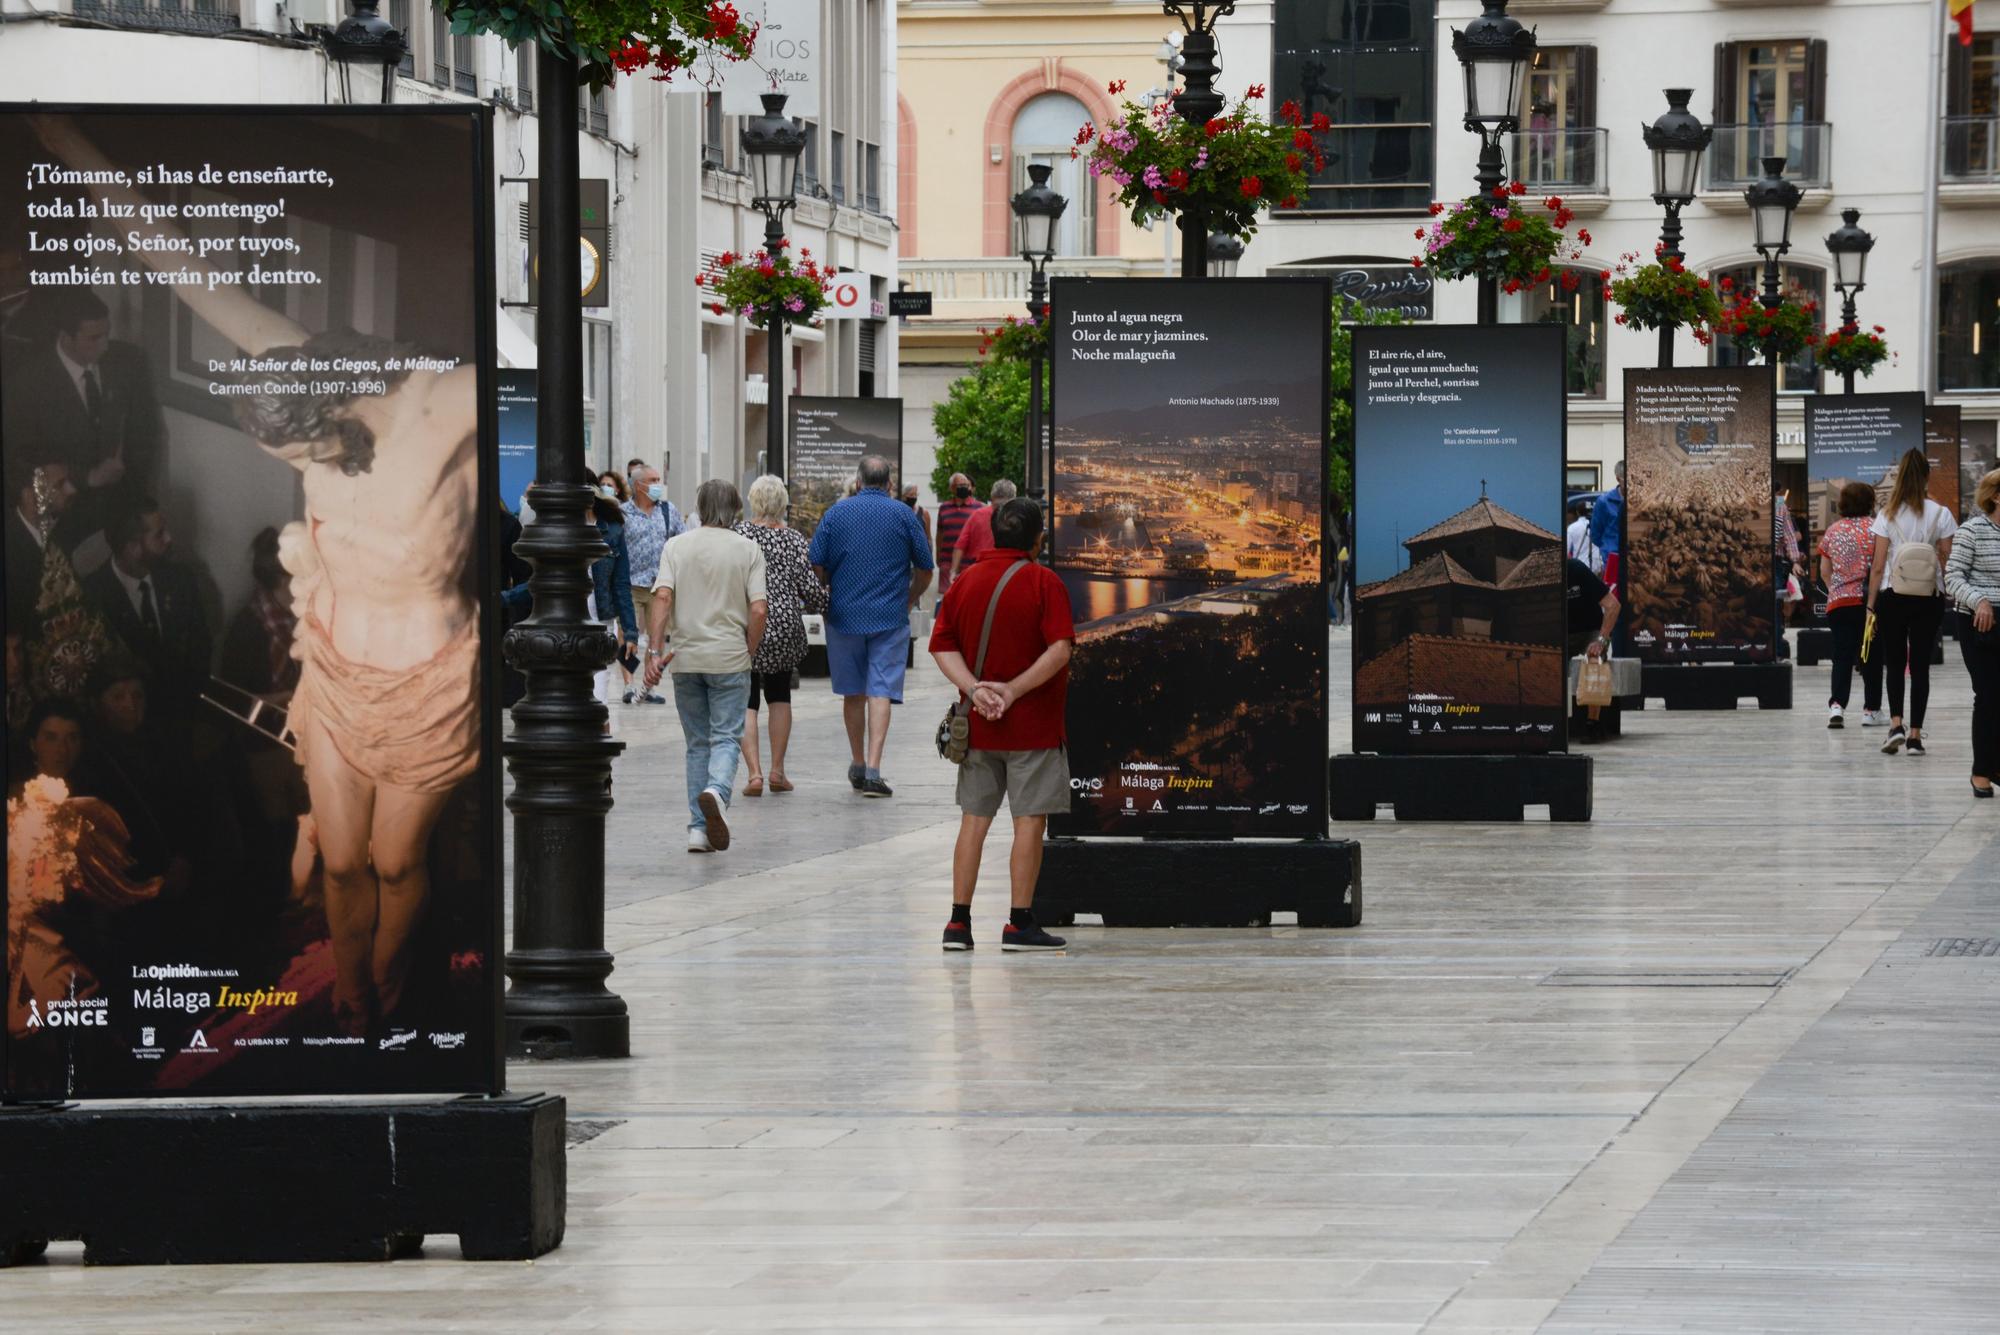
(656, 492)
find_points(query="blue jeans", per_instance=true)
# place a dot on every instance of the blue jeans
(711, 706)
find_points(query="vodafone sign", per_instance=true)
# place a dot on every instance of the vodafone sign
(847, 298)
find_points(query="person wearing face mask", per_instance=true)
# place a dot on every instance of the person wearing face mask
(953, 511)
(650, 520)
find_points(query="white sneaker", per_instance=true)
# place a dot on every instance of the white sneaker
(698, 840)
(1835, 716)
(1874, 718)
(713, 805)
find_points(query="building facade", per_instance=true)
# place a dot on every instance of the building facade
(1873, 103)
(665, 380)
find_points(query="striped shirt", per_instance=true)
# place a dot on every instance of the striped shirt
(1973, 572)
(951, 517)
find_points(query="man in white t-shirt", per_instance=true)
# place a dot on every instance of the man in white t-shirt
(710, 595)
(1578, 546)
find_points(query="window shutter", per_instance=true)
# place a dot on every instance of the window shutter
(1725, 85)
(1957, 80)
(1816, 80)
(1586, 87)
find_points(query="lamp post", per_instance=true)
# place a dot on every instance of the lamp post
(1198, 103)
(1495, 51)
(1039, 209)
(1772, 201)
(560, 756)
(1849, 246)
(772, 145)
(365, 38)
(1676, 140)
(1224, 253)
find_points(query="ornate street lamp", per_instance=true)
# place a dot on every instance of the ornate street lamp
(1849, 246)
(773, 143)
(1772, 201)
(1676, 140)
(1224, 251)
(1198, 103)
(365, 38)
(1496, 52)
(1039, 209)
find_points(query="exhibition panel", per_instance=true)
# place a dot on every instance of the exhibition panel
(829, 439)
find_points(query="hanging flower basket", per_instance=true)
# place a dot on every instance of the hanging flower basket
(1226, 171)
(1776, 335)
(1845, 350)
(1498, 237)
(1015, 339)
(757, 284)
(1663, 295)
(609, 37)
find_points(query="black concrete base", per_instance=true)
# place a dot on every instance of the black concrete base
(159, 1185)
(1719, 685)
(1461, 788)
(1199, 883)
(1815, 646)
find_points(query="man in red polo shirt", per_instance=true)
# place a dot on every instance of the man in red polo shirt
(1018, 701)
(951, 516)
(976, 538)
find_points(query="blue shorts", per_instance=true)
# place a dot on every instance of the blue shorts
(868, 664)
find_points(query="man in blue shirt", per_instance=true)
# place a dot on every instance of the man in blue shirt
(1607, 529)
(871, 552)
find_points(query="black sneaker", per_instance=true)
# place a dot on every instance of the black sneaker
(958, 936)
(630, 696)
(1894, 742)
(652, 698)
(856, 776)
(876, 788)
(1031, 937)
(1916, 746)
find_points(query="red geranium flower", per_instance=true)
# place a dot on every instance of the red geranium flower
(1517, 189)
(1083, 135)
(1511, 225)
(1436, 209)
(1214, 128)
(1293, 162)
(1117, 86)
(1177, 178)
(1255, 92)
(1289, 202)
(1288, 112)
(1321, 122)
(1250, 187)
(1302, 139)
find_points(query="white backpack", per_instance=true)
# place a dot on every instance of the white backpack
(1913, 566)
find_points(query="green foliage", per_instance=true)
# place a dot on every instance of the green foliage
(982, 426)
(1664, 295)
(756, 286)
(1340, 405)
(1015, 339)
(1853, 350)
(606, 37)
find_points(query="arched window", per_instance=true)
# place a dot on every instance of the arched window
(1799, 283)
(1581, 311)
(1969, 325)
(1045, 131)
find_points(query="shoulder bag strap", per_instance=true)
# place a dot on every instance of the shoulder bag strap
(986, 630)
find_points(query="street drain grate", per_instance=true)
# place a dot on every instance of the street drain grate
(577, 1131)
(1959, 946)
(1664, 978)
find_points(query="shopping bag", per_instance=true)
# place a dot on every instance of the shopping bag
(1593, 683)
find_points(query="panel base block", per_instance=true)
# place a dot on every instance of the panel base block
(1462, 788)
(1199, 883)
(259, 1183)
(1814, 646)
(1719, 685)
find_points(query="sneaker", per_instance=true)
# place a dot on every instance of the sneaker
(1895, 741)
(630, 696)
(698, 840)
(1031, 937)
(958, 936)
(1835, 716)
(1916, 746)
(1874, 718)
(856, 776)
(650, 698)
(713, 805)
(876, 788)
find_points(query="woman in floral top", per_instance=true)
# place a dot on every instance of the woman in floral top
(792, 590)
(1846, 551)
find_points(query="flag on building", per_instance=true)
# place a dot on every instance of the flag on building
(1962, 11)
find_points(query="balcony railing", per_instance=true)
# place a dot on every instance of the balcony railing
(985, 289)
(1734, 158)
(1565, 162)
(168, 15)
(1971, 147)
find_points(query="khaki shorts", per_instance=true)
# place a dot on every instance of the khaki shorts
(1035, 783)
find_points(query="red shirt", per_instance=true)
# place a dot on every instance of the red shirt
(1033, 614)
(976, 538)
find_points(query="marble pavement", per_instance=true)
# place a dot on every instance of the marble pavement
(1683, 1068)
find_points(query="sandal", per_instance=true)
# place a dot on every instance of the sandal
(779, 783)
(755, 786)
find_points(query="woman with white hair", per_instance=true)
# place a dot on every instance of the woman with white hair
(793, 591)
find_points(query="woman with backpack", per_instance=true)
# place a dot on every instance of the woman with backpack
(1912, 542)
